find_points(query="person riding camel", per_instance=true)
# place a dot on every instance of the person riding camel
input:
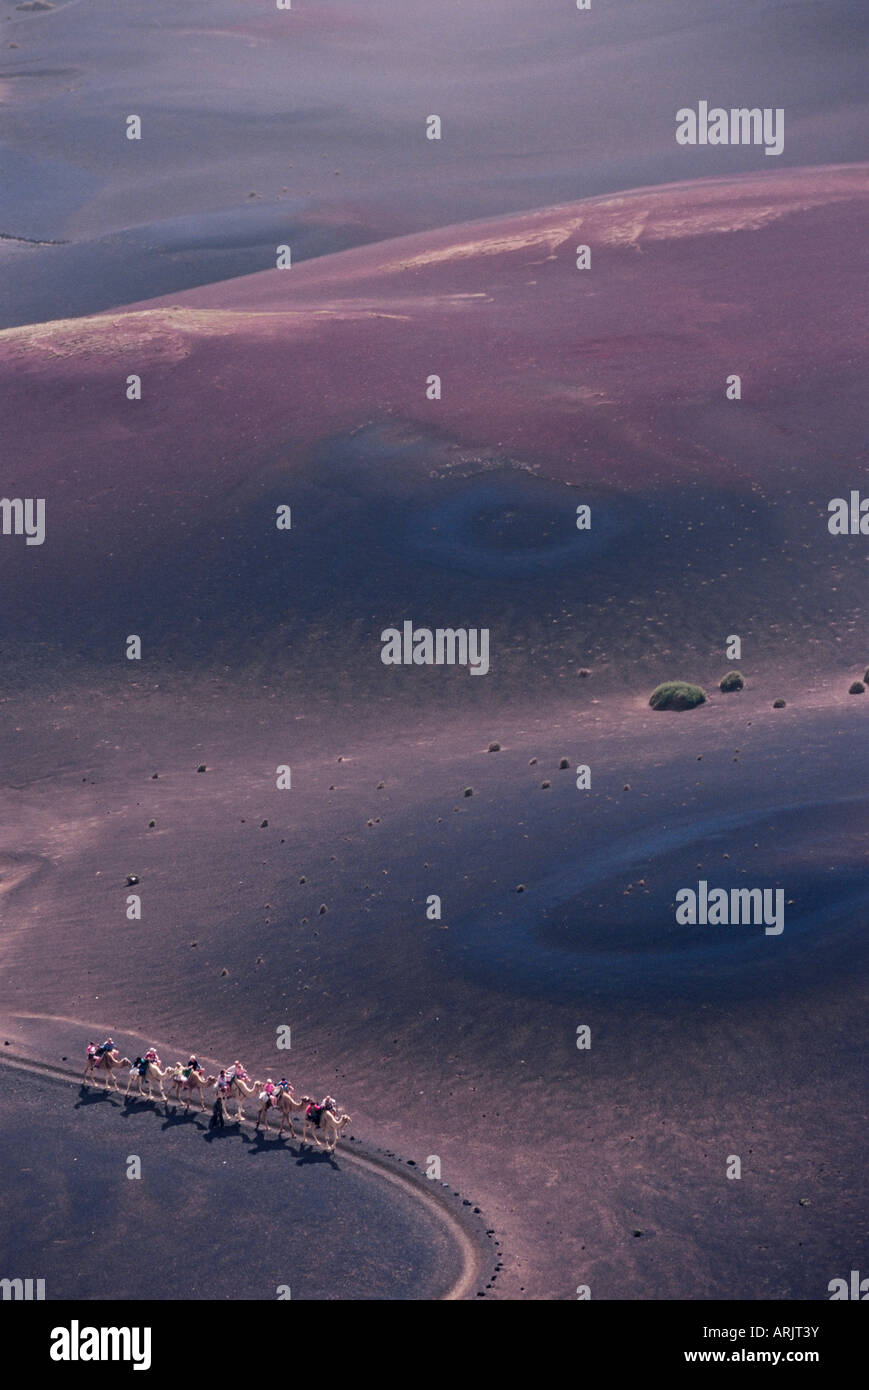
(107, 1046)
(151, 1056)
(315, 1112)
(221, 1085)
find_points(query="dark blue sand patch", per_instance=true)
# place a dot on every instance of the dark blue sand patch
(40, 194)
(557, 940)
(210, 1218)
(516, 527)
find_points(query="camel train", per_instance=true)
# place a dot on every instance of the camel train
(146, 1074)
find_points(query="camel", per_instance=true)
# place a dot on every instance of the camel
(196, 1081)
(108, 1062)
(239, 1089)
(285, 1103)
(331, 1124)
(151, 1074)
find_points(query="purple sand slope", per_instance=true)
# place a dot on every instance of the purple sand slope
(457, 1038)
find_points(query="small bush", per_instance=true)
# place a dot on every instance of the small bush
(734, 680)
(677, 695)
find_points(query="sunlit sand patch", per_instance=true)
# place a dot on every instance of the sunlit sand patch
(547, 238)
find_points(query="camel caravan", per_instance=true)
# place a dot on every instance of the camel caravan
(185, 1082)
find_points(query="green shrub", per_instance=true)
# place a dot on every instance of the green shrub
(677, 695)
(734, 680)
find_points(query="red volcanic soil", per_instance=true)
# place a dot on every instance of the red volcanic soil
(609, 383)
(614, 373)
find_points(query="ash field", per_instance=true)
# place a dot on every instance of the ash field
(456, 1036)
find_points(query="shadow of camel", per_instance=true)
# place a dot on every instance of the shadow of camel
(260, 1144)
(90, 1096)
(308, 1155)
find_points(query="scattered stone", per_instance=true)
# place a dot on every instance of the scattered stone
(531, 762)
(805, 1201)
(154, 776)
(131, 879)
(778, 704)
(202, 768)
(584, 671)
(263, 824)
(565, 762)
(151, 824)
(303, 879)
(677, 695)
(192, 944)
(627, 787)
(856, 688)
(520, 887)
(224, 971)
(544, 785)
(734, 680)
(469, 791)
(323, 908)
(380, 786)
(494, 748)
